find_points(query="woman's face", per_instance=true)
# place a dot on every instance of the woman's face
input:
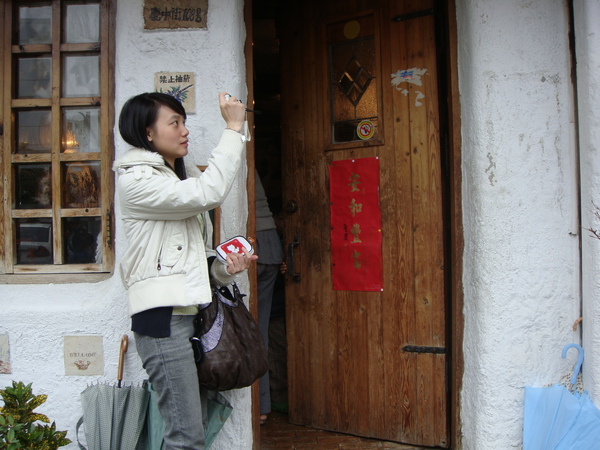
(169, 135)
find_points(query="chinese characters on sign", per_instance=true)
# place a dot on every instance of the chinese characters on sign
(355, 225)
(180, 85)
(175, 14)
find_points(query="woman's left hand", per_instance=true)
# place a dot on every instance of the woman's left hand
(237, 262)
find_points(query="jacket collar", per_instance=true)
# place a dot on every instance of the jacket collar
(138, 156)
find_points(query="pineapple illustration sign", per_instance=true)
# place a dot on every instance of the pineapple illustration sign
(181, 85)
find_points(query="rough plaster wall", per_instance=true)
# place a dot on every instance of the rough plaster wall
(587, 17)
(37, 317)
(521, 268)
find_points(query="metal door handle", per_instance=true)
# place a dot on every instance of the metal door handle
(291, 207)
(291, 246)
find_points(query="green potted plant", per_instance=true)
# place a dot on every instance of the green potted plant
(20, 426)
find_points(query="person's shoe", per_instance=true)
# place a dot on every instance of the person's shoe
(263, 419)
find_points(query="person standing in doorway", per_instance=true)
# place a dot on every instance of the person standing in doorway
(268, 246)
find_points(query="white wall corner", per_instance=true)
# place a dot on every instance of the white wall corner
(587, 39)
(521, 258)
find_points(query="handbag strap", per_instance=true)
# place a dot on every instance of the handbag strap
(237, 295)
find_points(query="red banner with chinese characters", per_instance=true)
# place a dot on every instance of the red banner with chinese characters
(355, 225)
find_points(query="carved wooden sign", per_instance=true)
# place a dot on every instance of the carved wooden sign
(174, 14)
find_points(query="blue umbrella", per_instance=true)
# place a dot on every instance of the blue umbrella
(559, 418)
(585, 432)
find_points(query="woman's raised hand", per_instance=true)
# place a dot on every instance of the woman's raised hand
(233, 111)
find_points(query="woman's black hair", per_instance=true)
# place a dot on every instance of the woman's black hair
(140, 113)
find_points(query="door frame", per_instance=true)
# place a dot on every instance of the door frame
(251, 220)
(454, 203)
(456, 232)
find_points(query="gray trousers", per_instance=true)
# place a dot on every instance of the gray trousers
(172, 371)
(266, 276)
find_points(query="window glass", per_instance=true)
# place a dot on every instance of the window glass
(34, 25)
(82, 23)
(82, 235)
(33, 187)
(353, 81)
(81, 183)
(81, 76)
(34, 77)
(34, 241)
(81, 130)
(34, 133)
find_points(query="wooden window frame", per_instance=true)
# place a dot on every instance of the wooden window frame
(58, 272)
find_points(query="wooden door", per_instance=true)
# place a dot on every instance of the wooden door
(365, 362)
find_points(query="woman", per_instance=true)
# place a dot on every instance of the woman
(165, 268)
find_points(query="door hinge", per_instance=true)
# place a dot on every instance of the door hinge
(413, 15)
(422, 349)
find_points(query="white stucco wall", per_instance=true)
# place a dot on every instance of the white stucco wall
(521, 259)
(587, 17)
(36, 317)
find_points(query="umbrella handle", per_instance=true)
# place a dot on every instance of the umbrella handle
(123, 350)
(577, 367)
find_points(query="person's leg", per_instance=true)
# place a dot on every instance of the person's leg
(172, 371)
(266, 276)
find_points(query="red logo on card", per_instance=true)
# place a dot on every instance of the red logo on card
(233, 246)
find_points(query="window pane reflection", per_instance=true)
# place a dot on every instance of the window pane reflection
(81, 185)
(34, 241)
(82, 23)
(33, 131)
(81, 130)
(81, 76)
(33, 187)
(353, 80)
(353, 65)
(35, 25)
(35, 77)
(82, 235)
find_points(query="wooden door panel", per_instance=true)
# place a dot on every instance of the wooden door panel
(419, 120)
(347, 370)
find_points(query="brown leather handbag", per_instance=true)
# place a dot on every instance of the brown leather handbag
(228, 346)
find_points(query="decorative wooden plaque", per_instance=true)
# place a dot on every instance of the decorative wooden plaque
(175, 14)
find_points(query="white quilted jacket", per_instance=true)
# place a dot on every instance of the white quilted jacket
(165, 262)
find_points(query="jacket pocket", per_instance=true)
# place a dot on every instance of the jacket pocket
(173, 248)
